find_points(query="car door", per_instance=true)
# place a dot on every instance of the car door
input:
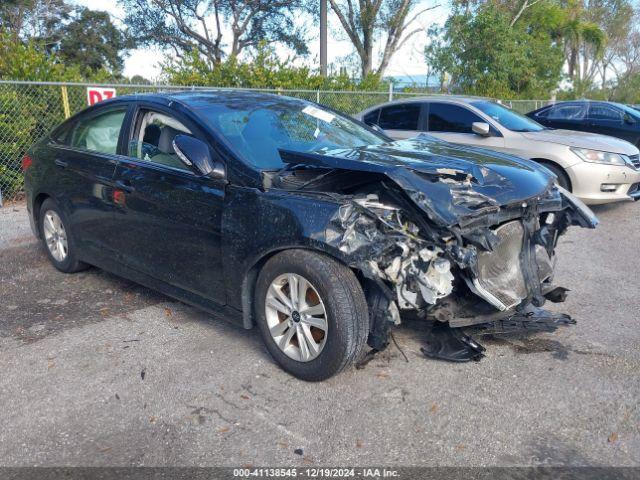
(452, 123)
(566, 116)
(400, 120)
(169, 217)
(609, 120)
(85, 156)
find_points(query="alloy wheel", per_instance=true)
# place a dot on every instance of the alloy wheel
(55, 236)
(296, 317)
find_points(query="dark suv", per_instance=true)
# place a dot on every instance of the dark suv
(282, 213)
(607, 118)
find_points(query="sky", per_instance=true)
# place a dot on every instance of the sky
(408, 61)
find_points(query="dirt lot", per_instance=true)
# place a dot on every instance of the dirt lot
(99, 371)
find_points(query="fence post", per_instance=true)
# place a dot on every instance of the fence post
(317, 96)
(65, 101)
(390, 92)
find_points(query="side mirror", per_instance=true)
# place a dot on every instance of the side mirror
(481, 128)
(195, 154)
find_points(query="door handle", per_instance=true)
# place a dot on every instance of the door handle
(124, 186)
(61, 163)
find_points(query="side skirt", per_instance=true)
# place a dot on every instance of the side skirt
(222, 312)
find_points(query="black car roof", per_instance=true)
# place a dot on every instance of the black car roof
(203, 98)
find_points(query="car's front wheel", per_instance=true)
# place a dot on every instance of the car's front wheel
(563, 178)
(57, 237)
(312, 314)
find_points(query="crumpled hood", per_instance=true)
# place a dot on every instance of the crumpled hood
(449, 182)
(593, 141)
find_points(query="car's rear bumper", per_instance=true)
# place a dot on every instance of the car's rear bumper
(32, 219)
(595, 183)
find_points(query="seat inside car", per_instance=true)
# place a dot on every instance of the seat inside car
(166, 154)
(152, 135)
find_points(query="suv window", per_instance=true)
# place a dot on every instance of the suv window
(371, 118)
(99, 133)
(153, 140)
(444, 117)
(605, 112)
(568, 111)
(402, 116)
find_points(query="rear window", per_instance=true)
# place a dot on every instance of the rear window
(99, 133)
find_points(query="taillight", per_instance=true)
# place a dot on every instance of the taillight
(27, 161)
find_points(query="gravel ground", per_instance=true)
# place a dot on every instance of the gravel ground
(99, 371)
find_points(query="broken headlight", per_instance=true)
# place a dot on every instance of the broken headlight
(500, 279)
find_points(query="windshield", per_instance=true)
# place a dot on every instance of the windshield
(509, 119)
(256, 127)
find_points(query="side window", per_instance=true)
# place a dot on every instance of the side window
(568, 111)
(605, 112)
(99, 133)
(444, 117)
(543, 113)
(403, 116)
(153, 139)
(371, 118)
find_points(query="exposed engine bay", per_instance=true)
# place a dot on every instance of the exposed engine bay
(456, 244)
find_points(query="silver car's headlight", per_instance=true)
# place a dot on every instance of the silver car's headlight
(596, 156)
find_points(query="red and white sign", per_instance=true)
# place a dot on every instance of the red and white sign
(98, 94)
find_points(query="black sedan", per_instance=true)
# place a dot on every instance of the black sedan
(280, 213)
(607, 118)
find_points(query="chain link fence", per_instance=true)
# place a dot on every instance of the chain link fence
(29, 110)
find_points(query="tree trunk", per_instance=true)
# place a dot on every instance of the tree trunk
(366, 56)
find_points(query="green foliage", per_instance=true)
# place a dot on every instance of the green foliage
(26, 61)
(628, 89)
(93, 43)
(263, 70)
(485, 54)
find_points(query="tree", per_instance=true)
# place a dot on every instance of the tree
(619, 23)
(33, 19)
(485, 52)
(584, 43)
(367, 20)
(79, 37)
(26, 61)
(93, 42)
(187, 24)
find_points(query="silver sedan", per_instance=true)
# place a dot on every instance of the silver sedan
(596, 168)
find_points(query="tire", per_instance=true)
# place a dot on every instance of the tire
(340, 295)
(563, 178)
(68, 261)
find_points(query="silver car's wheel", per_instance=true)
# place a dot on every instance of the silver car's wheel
(55, 236)
(296, 317)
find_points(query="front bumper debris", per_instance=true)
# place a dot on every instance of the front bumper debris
(458, 345)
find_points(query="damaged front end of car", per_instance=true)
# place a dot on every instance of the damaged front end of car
(455, 236)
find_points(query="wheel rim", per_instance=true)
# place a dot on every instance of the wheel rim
(55, 236)
(296, 317)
